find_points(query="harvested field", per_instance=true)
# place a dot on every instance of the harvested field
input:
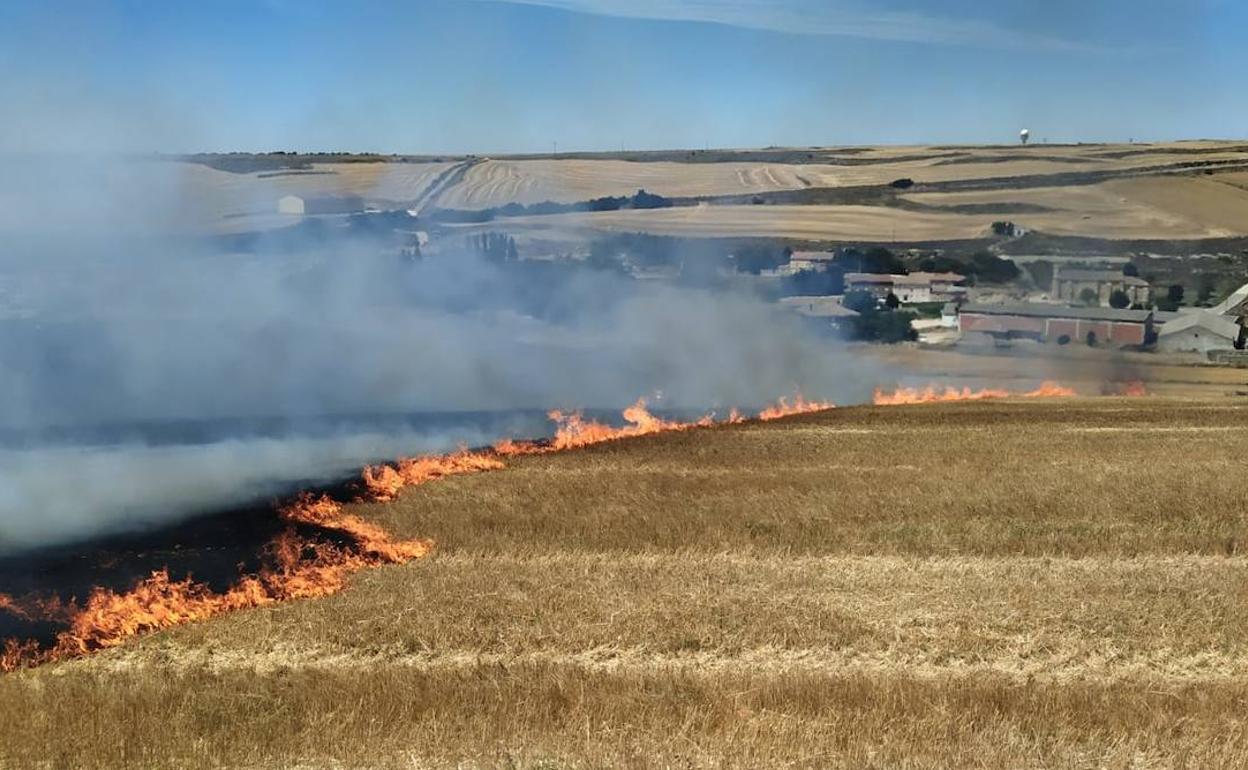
(1164, 207)
(495, 183)
(1088, 371)
(498, 182)
(869, 223)
(224, 202)
(1201, 199)
(1235, 179)
(1159, 207)
(993, 584)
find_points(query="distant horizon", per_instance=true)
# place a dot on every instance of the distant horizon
(141, 154)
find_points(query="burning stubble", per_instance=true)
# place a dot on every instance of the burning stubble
(298, 565)
(300, 562)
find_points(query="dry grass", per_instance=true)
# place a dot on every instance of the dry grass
(556, 716)
(216, 199)
(1014, 585)
(1163, 207)
(1088, 371)
(1221, 208)
(497, 182)
(1135, 208)
(872, 223)
(1148, 207)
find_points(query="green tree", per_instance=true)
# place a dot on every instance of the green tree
(1119, 299)
(496, 247)
(885, 326)
(1130, 270)
(1088, 297)
(1205, 294)
(859, 301)
(939, 263)
(755, 258)
(1172, 300)
(1041, 272)
(989, 268)
(811, 283)
(603, 257)
(876, 259)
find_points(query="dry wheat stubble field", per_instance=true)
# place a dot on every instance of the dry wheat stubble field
(1006, 584)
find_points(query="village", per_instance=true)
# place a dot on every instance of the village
(873, 293)
(1091, 302)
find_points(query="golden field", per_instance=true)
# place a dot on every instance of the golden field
(496, 182)
(1163, 207)
(1168, 202)
(872, 223)
(995, 584)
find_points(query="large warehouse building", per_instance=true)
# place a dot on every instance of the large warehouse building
(1057, 324)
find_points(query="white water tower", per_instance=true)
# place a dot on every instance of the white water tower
(1024, 136)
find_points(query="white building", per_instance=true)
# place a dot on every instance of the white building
(1197, 331)
(809, 260)
(290, 204)
(909, 289)
(323, 204)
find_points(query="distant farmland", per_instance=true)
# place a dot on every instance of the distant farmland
(1001, 584)
(1184, 190)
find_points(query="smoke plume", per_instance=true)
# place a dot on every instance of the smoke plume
(148, 375)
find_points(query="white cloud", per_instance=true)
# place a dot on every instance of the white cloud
(820, 17)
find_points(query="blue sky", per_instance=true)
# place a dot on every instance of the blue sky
(444, 76)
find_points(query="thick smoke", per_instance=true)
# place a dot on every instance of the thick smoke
(147, 375)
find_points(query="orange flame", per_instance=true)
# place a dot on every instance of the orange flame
(299, 567)
(383, 482)
(575, 431)
(933, 393)
(7, 603)
(1133, 389)
(782, 408)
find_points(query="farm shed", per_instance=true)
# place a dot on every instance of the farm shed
(1057, 323)
(1198, 331)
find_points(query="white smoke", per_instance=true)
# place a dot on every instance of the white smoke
(110, 325)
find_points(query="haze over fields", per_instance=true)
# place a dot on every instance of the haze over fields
(1186, 190)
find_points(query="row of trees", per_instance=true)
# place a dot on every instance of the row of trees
(979, 267)
(885, 324)
(495, 247)
(639, 200)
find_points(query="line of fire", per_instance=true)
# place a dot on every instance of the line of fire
(72, 602)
